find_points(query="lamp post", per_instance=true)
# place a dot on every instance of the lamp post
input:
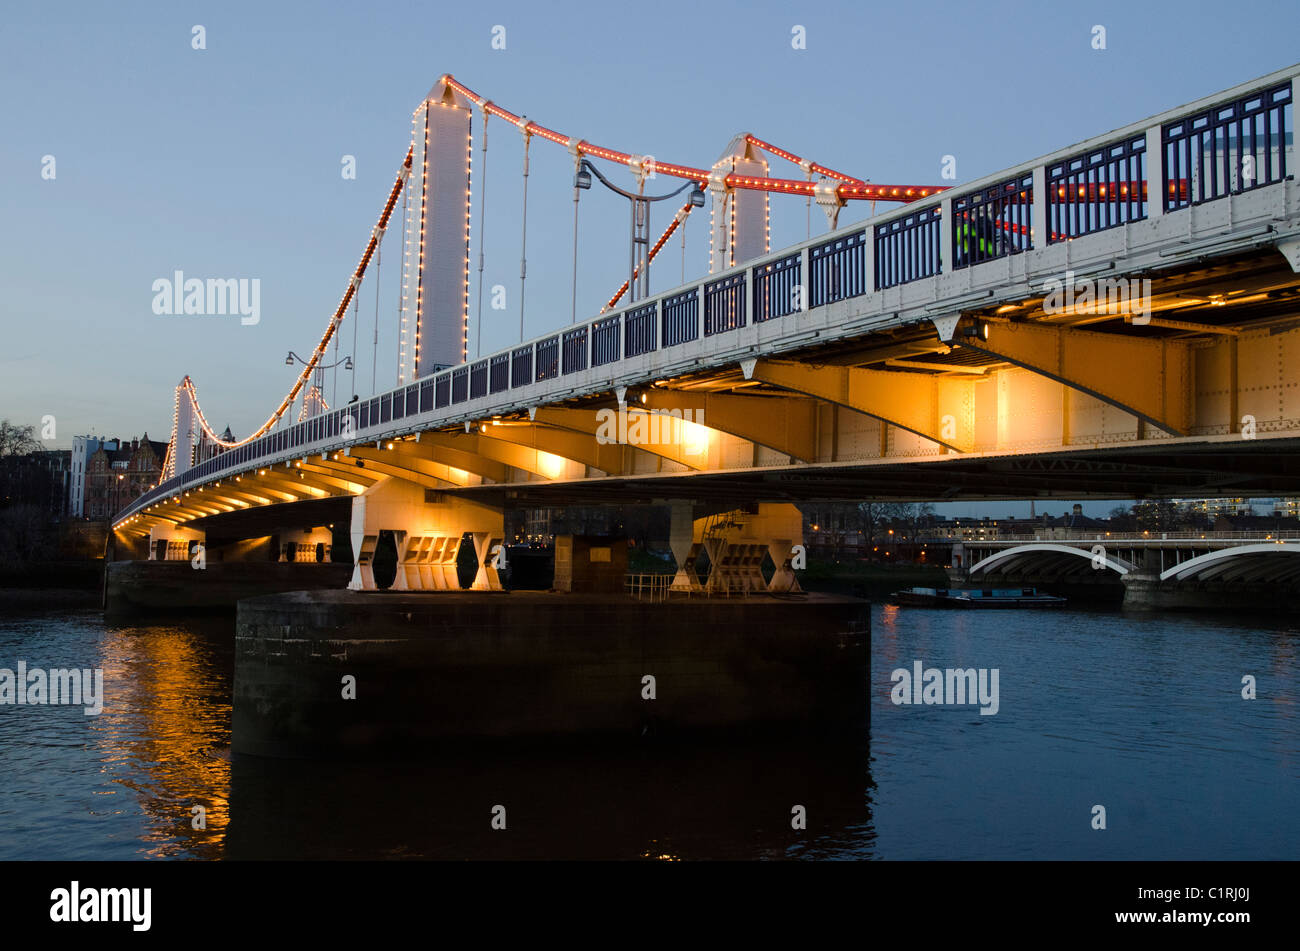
(638, 277)
(319, 380)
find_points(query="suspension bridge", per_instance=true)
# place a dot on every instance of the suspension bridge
(1119, 318)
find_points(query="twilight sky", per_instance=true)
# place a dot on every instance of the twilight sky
(226, 162)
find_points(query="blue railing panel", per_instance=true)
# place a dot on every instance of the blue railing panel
(838, 269)
(639, 327)
(778, 288)
(992, 222)
(908, 248)
(1096, 190)
(605, 335)
(681, 321)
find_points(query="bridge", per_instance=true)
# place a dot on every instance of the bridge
(1165, 568)
(1119, 318)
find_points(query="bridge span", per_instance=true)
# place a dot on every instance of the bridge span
(1119, 318)
(1164, 569)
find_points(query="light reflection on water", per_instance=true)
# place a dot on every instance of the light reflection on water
(1140, 713)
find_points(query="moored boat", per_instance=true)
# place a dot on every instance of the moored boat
(976, 598)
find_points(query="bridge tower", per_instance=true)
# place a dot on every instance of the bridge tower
(183, 431)
(738, 221)
(435, 266)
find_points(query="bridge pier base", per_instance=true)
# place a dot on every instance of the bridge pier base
(428, 532)
(305, 544)
(172, 543)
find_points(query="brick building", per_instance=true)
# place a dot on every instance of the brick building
(116, 476)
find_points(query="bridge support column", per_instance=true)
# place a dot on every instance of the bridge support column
(305, 544)
(1143, 587)
(781, 525)
(428, 528)
(173, 543)
(681, 539)
(736, 549)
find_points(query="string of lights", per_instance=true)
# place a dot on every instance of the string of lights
(318, 353)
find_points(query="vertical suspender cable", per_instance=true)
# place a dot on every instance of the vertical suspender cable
(573, 294)
(334, 371)
(523, 250)
(406, 230)
(482, 226)
(683, 252)
(356, 357)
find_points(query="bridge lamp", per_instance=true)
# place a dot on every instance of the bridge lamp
(582, 179)
(697, 197)
(288, 361)
(978, 329)
(347, 363)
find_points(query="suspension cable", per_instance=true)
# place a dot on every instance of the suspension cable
(848, 189)
(403, 298)
(482, 231)
(523, 249)
(322, 346)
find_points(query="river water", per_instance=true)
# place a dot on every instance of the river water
(1141, 714)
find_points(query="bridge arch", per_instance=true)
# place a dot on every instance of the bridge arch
(1037, 552)
(1259, 562)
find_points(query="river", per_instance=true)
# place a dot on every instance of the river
(1141, 714)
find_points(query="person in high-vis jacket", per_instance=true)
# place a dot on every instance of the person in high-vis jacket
(975, 232)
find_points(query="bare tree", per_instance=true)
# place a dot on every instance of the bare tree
(17, 440)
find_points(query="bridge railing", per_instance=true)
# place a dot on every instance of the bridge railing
(1222, 145)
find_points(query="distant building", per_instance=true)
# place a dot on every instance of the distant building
(116, 476)
(83, 447)
(1213, 508)
(1265, 524)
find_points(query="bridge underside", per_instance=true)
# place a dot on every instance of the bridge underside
(1232, 469)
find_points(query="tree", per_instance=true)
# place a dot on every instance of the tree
(1121, 519)
(875, 518)
(1156, 515)
(17, 440)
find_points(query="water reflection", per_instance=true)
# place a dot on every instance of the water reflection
(629, 801)
(121, 784)
(165, 730)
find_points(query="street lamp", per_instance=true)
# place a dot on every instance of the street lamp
(346, 362)
(638, 277)
(319, 382)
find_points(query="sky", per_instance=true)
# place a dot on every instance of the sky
(127, 154)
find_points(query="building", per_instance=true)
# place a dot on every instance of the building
(116, 476)
(39, 479)
(83, 447)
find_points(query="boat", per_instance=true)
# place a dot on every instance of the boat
(976, 598)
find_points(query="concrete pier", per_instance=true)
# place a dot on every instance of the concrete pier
(162, 587)
(329, 672)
